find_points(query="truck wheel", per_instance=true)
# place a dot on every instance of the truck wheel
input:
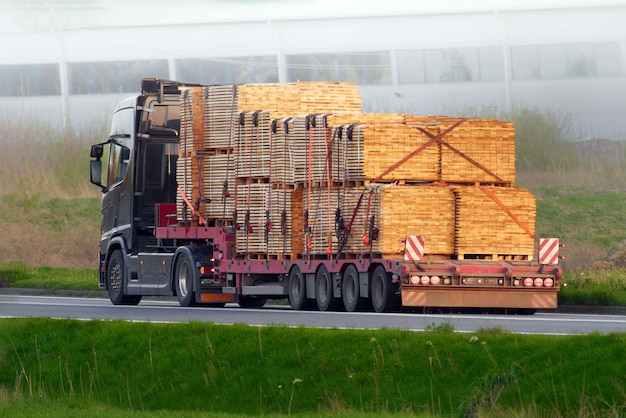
(183, 281)
(324, 290)
(350, 291)
(116, 280)
(251, 302)
(297, 290)
(383, 292)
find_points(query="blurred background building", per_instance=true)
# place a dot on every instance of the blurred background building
(68, 62)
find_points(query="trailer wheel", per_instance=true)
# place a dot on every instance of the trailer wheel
(183, 281)
(116, 280)
(383, 292)
(297, 290)
(324, 290)
(350, 291)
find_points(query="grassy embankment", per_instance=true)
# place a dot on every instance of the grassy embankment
(72, 368)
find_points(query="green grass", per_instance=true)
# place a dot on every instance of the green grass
(19, 275)
(594, 288)
(590, 222)
(201, 367)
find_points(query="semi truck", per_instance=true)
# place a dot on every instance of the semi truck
(180, 213)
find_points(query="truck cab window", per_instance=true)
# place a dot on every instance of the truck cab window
(118, 164)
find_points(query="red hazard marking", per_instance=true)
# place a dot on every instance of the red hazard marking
(549, 250)
(543, 301)
(414, 299)
(413, 248)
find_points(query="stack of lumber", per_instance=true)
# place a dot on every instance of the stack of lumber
(301, 98)
(253, 145)
(477, 150)
(421, 210)
(395, 209)
(272, 221)
(375, 149)
(274, 154)
(191, 120)
(286, 204)
(187, 178)
(494, 221)
(252, 203)
(318, 148)
(321, 204)
(287, 159)
(221, 116)
(219, 178)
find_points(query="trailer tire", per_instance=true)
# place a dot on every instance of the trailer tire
(383, 292)
(324, 296)
(297, 290)
(116, 280)
(350, 290)
(183, 280)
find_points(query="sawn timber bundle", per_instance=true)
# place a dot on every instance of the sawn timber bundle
(300, 171)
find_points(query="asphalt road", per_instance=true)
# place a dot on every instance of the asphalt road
(168, 311)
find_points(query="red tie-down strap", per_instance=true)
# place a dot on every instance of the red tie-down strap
(194, 212)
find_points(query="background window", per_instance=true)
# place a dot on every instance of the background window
(411, 67)
(30, 80)
(525, 62)
(112, 77)
(491, 64)
(451, 65)
(351, 67)
(261, 69)
(608, 59)
(552, 61)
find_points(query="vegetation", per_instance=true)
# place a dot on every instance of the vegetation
(200, 367)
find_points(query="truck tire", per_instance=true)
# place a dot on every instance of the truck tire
(183, 280)
(297, 290)
(116, 280)
(350, 290)
(324, 297)
(383, 292)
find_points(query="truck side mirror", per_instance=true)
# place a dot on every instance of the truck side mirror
(97, 151)
(95, 171)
